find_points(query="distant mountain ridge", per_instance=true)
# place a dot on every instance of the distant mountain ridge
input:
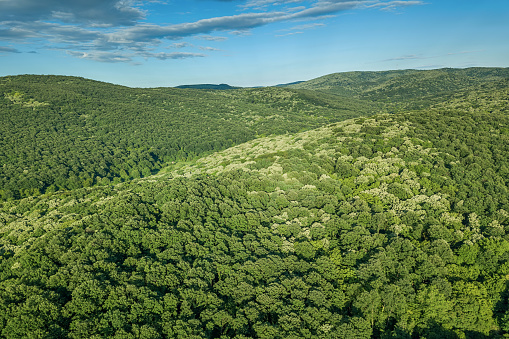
(226, 86)
(208, 86)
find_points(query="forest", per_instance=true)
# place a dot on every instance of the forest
(62, 133)
(379, 210)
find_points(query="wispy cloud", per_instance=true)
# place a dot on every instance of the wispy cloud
(287, 34)
(299, 29)
(4, 49)
(392, 5)
(173, 56)
(241, 32)
(430, 66)
(115, 57)
(210, 49)
(21, 31)
(101, 56)
(465, 52)
(180, 45)
(113, 31)
(422, 57)
(308, 26)
(406, 57)
(264, 3)
(211, 38)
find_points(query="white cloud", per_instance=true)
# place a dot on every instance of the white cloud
(101, 56)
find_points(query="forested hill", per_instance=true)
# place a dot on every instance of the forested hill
(317, 219)
(408, 88)
(61, 132)
(389, 226)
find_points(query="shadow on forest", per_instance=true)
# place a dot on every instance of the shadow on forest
(434, 330)
(501, 309)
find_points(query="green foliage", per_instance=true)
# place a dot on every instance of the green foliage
(63, 133)
(411, 89)
(385, 226)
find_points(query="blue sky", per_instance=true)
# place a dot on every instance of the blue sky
(156, 43)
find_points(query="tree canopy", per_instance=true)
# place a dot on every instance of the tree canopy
(381, 226)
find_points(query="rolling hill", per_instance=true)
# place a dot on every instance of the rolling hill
(387, 225)
(64, 132)
(407, 88)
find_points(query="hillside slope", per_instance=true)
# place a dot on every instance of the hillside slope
(386, 226)
(64, 132)
(60, 133)
(405, 89)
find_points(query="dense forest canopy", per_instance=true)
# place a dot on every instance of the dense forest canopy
(64, 132)
(387, 225)
(408, 88)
